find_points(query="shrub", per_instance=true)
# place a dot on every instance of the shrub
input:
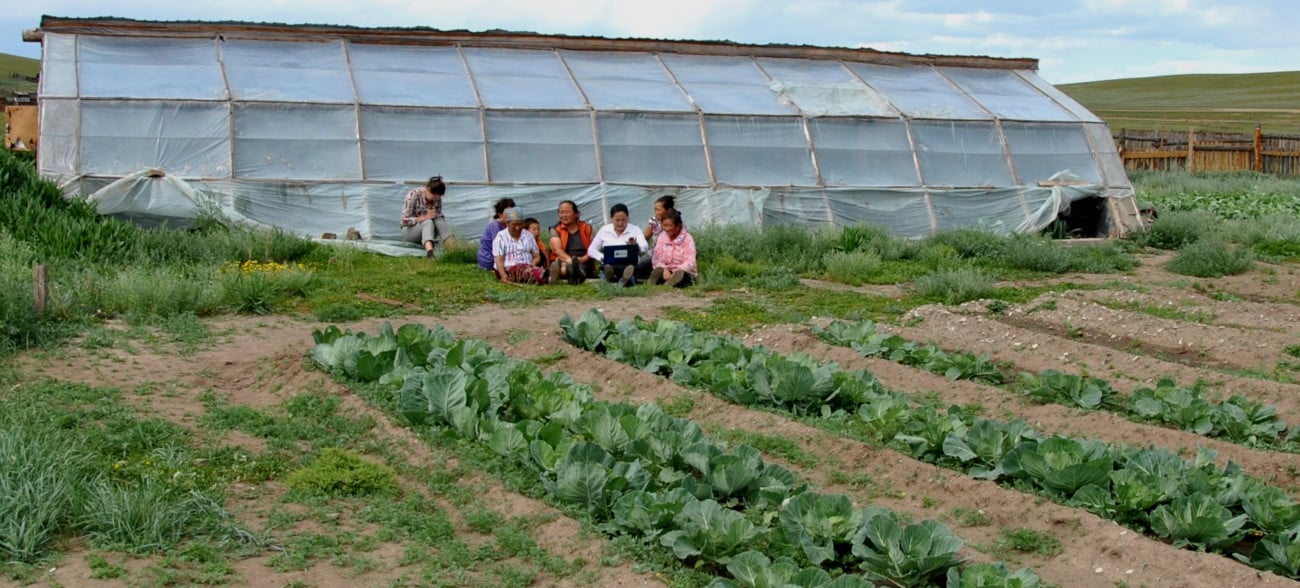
(741, 243)
(873, 239)
(1101, 258)
(338, 472)
(852, 267)
(1035, 253)
(1175, 229)
(969, 243)
(797, 247)
(1211, 258)
(938, 256)
(955, 286)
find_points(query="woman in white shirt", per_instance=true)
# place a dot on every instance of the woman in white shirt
(618, 232)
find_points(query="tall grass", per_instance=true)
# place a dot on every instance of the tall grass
(101, 265)
(41, 479)
(1175, 229)
(955, 286)
(1211, 258)
(143, 517)
(75, 460)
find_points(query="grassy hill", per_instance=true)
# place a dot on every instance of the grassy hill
(24, 66)
(1226, 102)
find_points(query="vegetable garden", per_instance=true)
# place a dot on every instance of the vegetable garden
(968, 410)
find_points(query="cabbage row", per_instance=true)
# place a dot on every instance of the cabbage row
(1189, 503)
(641, 473)
(1238, 420)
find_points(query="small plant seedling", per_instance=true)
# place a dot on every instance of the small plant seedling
(969, 517)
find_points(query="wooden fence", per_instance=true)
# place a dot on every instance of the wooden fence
(1208, 151)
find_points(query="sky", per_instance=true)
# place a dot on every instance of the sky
(1073, 40)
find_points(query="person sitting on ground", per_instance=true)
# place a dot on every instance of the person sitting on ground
(515, 253)
(422, 220)
(569, 241)
(534, 226)
(674, 254)
(494, 226)
(617, 232)
(652, 230)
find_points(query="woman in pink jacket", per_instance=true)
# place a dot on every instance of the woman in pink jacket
(674, 254)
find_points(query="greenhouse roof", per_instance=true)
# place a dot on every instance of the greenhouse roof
(318, 128)
(109, 26)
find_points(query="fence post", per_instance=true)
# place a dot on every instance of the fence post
(1259, 149)
(1191, 150)
(40, 286)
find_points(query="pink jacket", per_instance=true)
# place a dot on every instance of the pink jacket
(675, 254)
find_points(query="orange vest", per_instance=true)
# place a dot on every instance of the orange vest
(584, 231)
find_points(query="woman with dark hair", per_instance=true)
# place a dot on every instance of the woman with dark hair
(664, 204)
(674, 254)
(569, 242)
(422, 221)
(486, 260)
(652, 230)
(617, 232)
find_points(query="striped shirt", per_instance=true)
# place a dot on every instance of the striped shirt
(514, 251)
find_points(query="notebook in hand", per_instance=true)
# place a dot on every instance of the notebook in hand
(619, 254)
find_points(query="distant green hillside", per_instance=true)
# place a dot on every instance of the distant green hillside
(1227, 102)
(13, 64)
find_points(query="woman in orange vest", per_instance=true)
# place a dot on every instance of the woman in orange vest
(569, 242)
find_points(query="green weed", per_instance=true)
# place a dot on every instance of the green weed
(852, 267)
(968, 517)
(1036, 253)
(1211, 258)
(338, 313)
(338, 472)
(1176, 229)
(969, 243)
(1024, 541)
(955, 286)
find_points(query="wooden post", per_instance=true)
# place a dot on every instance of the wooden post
(1191, 150)
(40, 286)
(1259, 149)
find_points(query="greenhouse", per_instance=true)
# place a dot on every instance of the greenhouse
(319, 129)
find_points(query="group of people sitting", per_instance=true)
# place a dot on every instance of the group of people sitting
(512, 245)
(513, 248)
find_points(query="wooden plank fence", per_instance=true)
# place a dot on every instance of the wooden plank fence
(1199, 151)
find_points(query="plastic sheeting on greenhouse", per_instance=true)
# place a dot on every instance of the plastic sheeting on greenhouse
(321, 135)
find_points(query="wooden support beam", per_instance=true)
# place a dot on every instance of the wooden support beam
(1259, 149)
(40, 287)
